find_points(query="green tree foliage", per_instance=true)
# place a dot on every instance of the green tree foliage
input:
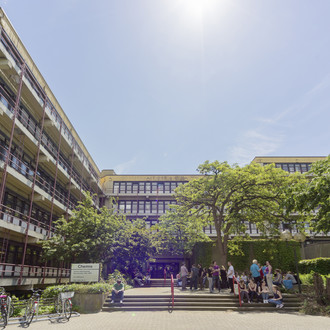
(312, 198)
(175, 235)
(87, 236)
(105, 237)
(229, 196)
(133, 246)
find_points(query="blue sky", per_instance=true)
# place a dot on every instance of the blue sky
(160, 86)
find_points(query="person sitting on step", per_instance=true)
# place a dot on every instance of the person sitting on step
(278, 298)
(252, 290)
(244, 291)
(117, 291)
(264, 292)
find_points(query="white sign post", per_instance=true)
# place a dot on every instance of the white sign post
(85, 272)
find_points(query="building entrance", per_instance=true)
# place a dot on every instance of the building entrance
(159, 269)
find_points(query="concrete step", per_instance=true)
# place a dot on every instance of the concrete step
(201, 308)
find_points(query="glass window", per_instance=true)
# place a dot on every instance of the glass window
(154, 187)
(128, 207)
(122, 206)
(141, 207)
(134, 207)
(167, 187)
(122, 187)
(154, 207)
(135, 188)
(297, 168)
(161, 207)
(303, 168)
(291, 168)
(148, 187)
(173, 186)
(147, 207)
(128, 187)
(116, 187)
(141, 187)
(285, 167)
(160, 188)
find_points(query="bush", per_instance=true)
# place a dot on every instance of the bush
(317, 265)
(53, 291)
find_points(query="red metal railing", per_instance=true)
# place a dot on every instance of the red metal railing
(172, 290)
(13, 270)
(239, 290)
(20, 219)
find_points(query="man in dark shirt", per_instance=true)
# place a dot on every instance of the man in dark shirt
(194, 277)
(215, 276)
(117, 291)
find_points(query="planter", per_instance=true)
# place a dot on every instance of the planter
(89, 302)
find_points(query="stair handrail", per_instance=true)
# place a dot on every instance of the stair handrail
(239, 290)
(172, 290)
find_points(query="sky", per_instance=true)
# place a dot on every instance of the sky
(160, 86)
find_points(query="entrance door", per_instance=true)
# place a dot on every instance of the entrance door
(158, 269)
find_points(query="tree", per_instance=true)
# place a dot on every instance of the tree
(231, 196)
(133, 246)
(87, 236)
(312, 197)
(175, 236)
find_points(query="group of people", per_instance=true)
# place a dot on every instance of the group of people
(261, 284)
(212, 274)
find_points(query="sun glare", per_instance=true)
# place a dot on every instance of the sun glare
(196, 9)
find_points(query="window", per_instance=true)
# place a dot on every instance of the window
(154, 207)
(160, 188)
(148, 187)
(135, 188)
(161, 207)
(128, 187)
(116, 187)
(128, 207)
(134, 207)
(141, 187)
(147, 207)
(122, 187)
(141, 207)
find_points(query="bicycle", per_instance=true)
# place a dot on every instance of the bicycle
(63, 304)
(32, 307)
(7, 309)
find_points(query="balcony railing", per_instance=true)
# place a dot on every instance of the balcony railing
(35, 130)
(42, 183)
(14, 53)
(14, 270)
(20, 219)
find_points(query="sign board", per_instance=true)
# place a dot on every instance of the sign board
(85, 272)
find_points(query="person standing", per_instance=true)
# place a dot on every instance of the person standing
(194, 277)
(223, 275)
(255, 271)
(184, 274)
(269, 276)
(209, 278)
(230, 275)
(215, 276)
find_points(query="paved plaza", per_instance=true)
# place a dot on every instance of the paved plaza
(183, 320)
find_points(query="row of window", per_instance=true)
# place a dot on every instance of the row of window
(26, 166)
(19, 207)
(33, 127)
(146, 187)
(144, 207)
(12, 50)
(294, 167)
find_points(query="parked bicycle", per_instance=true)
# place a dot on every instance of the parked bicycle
(6, 306)
(63, 304)
(32, 307)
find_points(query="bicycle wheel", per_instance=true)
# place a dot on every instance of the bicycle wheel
(58, 306)
(4, 315)
(29, 313)
(67, 309)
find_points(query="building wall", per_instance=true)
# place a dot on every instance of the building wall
(44, 166)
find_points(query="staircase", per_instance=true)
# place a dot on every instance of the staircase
(196, 302)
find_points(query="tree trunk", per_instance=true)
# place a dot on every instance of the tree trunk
(328, 289)
(318, 288)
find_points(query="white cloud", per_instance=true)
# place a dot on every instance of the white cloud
(126, 166)
(253, 143)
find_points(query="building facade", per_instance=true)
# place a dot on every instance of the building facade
(44, 166)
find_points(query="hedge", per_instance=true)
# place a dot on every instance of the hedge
(318, 265)
(280, 254)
